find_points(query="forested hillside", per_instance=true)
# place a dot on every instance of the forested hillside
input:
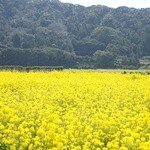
(48, 32)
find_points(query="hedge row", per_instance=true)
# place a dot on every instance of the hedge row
(31, 68)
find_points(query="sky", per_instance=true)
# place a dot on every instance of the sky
(112, 3)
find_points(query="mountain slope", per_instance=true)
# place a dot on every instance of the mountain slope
(47, 24)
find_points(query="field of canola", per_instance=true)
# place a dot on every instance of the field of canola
(74, 111)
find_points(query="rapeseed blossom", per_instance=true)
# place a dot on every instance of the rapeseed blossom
(74, 111)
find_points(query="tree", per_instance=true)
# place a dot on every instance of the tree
(16, 40)
(87, 47)
(108, 20)
(2, 37)
(127, 62)
(104, 59)
(147, 41)
(105, 35)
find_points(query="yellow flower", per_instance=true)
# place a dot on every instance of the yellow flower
(82, 110)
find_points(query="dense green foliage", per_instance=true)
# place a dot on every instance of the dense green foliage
(48, 32)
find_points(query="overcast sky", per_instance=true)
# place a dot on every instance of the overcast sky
(112, 3)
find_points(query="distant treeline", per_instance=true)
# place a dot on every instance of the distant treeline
(10, 56)
(45, 57)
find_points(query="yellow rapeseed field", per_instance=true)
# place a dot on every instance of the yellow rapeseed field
(74, 111)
